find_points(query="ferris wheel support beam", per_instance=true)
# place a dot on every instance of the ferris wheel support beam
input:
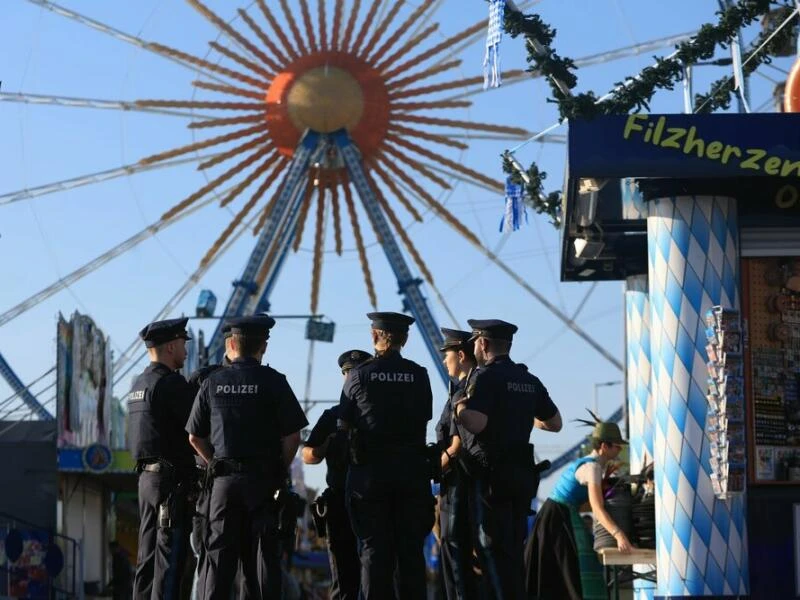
(409, 285)
(22, 390)
(245, 288)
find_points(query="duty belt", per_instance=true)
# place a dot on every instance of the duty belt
(229, 466)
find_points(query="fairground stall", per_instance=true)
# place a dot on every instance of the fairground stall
(699, 215)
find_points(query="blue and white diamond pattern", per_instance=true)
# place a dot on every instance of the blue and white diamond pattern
(640, 406)
(693, 264)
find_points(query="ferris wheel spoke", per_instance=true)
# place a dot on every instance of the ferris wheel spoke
(443, 160)
(303, 216)
(152, 103)
(232, 34)
(336, 27)
(416, 165)
(319, 247)
(228, 89)
(368, 21)
(439, 48)
(194, 60)
(268, 163)
(116, 33)
(400, 230)
(262, 36)
(470, 125)
(92, 178)
(322, 18)
(359, 239)
(381, 29)
(220, 139)
(433, 105)
(256, 118)
(287, 13)
(437, 87)
(240, 149)
(548, 138)
(401, 30)
(459, 177)
(427, 73)
(94, 264)
(337, 217)
(215, 183)
(350, 27)
(277, 29)
(398, 193)
(74, 102)
(412, 43)
(241, 60)
(431, 137)
(309, 27)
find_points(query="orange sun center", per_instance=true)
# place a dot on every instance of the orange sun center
(326, 91)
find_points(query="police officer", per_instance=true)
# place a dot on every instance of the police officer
(158, 406)
(386, 404)
(502, 404)
(327, 442)
(246, 423)
(456, 542)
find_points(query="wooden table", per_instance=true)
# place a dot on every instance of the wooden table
(612, 559)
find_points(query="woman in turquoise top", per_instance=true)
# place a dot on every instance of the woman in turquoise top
(559, 558)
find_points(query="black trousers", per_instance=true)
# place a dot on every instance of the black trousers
(456, 541)
(499, 504)
(391, 510)
(242, 527)
(162, 550)
(342, 550)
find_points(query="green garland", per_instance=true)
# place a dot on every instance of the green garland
(549, 204)
(634, 93)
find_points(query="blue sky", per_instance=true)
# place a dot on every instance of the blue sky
(43, 239)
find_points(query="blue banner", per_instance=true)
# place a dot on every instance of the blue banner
(686, 146)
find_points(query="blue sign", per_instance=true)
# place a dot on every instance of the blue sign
(686, 146)
(96, 458)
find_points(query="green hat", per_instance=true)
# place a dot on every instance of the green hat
(607, 432)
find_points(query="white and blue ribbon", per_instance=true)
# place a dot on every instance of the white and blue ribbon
(515, 210)
(491, 61)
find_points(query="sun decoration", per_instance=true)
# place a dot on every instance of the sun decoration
(364, 79)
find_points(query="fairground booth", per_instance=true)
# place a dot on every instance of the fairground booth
(699, 215)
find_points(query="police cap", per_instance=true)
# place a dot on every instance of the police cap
(454, 339)
(493, 329)
(255, 325)
(161, 332)
(390, 321)
(352, 358)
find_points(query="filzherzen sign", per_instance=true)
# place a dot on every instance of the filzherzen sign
(686, 146)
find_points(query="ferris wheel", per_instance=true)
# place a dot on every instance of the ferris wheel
(308, 117)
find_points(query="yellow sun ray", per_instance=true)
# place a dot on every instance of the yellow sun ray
(301, 46)
(449, 42)
(322, 18)
(337, 217)
(312, 38)
(438, 104)
(417, 166)
(221, 139)
(319, 243)
(232, 172)
(398, 193)
(303, 216)
(238, 58)
(231, 31)
(167, 51)
(401, 231)
(200, 104)
(255, 28)
(408, 46)
(359, 239)
(424, 135)
(337, 23)
(228, 121)
(277, 29)
(373, 9)
(351, 22)
(430, 72)
(380, 30)
(471, 125)
(399, 32)
(228, 89)
(240, 149)
(443, 160)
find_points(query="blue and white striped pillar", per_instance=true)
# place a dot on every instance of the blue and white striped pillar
(693, 264)
(637, 372)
